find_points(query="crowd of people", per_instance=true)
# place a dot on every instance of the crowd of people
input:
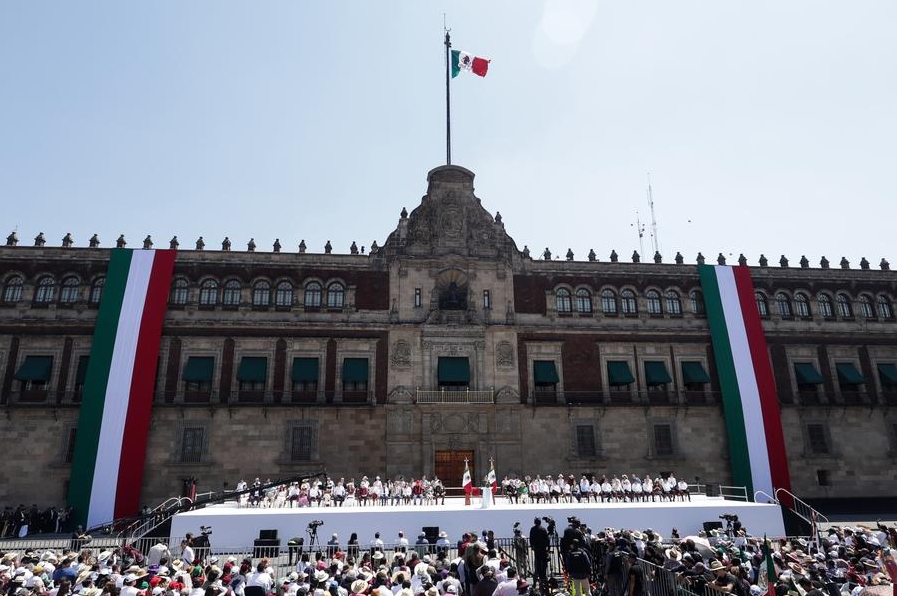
(578, 561)
(22, 520)
(374, 491)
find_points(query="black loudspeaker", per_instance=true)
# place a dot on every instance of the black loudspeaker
(432, 533)
(712, 525)
(266, 548)
(267, 534)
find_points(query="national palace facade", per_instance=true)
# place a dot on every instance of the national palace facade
(448, 342)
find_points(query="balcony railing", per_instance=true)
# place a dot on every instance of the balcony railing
(455, 397)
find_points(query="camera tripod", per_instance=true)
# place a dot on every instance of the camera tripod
(313, 541)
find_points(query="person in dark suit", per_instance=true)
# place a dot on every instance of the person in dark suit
(540, 542)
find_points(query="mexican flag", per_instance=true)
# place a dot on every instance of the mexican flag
(464, 61)
(465, 480)
(110, 449)
(750, 403)
(490, 477)
(767, 569)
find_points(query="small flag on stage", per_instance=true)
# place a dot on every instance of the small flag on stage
(490, 477)
(465, 480)
(464, 61)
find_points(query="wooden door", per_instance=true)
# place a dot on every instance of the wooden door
(450, 469)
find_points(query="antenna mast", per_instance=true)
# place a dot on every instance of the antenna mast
(640, 228)
(654, 239)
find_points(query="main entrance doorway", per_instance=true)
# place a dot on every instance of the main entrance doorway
(450, 469)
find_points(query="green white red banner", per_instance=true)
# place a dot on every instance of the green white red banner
(113, 426)
(750, 403)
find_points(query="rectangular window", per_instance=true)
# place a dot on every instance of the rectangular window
(817, 439)
(192, 444)
(417, 298)
(487, 300)
(663, 439)
(301, 443)
(585, 440)
(68, 452)
(822, 478)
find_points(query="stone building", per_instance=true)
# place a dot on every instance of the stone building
(446, 343)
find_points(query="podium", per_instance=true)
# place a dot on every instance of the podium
(487, 500)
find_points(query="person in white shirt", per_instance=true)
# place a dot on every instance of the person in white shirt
(187, 553)
(260, 578)
(157, 552)
(507, 587)
(376, 543)
(128, 588)
(401, 543)
(637, 489)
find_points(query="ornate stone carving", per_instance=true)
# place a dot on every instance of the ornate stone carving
(401, 395)
(504, 355)
(401, 354)
(454, 423)
(400, 421)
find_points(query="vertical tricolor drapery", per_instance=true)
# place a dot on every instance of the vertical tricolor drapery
(750, 404)
(466, 482)
(110, 449)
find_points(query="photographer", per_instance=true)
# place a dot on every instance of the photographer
(571, 533)
(521, 551)
(540, 542)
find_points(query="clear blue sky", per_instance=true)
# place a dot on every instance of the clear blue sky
(767, 126)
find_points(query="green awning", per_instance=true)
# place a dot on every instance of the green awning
(888, 374)
(305, 370)
(35, 368)
(355, 370)
(618, 373)
(253, 369)
(848, 374)
(693, 372)
(807, 374)
(199, 369)
(454, 370)
(545, 372)
(656, 373)
(81, 371)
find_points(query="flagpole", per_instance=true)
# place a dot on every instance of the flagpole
(448, 103)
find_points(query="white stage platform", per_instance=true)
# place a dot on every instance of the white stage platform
(235, 527)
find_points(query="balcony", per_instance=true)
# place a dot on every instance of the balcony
(454, 397)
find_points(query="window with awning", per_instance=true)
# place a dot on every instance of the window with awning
(693, 373)
(545, 373)
(806, 374)
(848, 374)
(453, 370)
(35, 369)
(887, 373)
(618, 373)
(355, 370)
(656, 373)
(199, 369)
(305, 370)
(252, 372)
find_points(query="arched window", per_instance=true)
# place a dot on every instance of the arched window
(784, 305)
(802, 305)
(232, 291)
(583, 301)
(608, 302)
(179, 290)
(762, 306)
(336, 295)
(208, 293)
(71, 287)
(283, 295)
(628, 305)
(654, 306)
(844, 308)
(261, 293)
(12, 289)
(697, 302)
(564, 303)
(46, 290)
(313, 295)
(884, 307)
(825, 306)
(96, 290)
(674, 303)
(866, 309)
